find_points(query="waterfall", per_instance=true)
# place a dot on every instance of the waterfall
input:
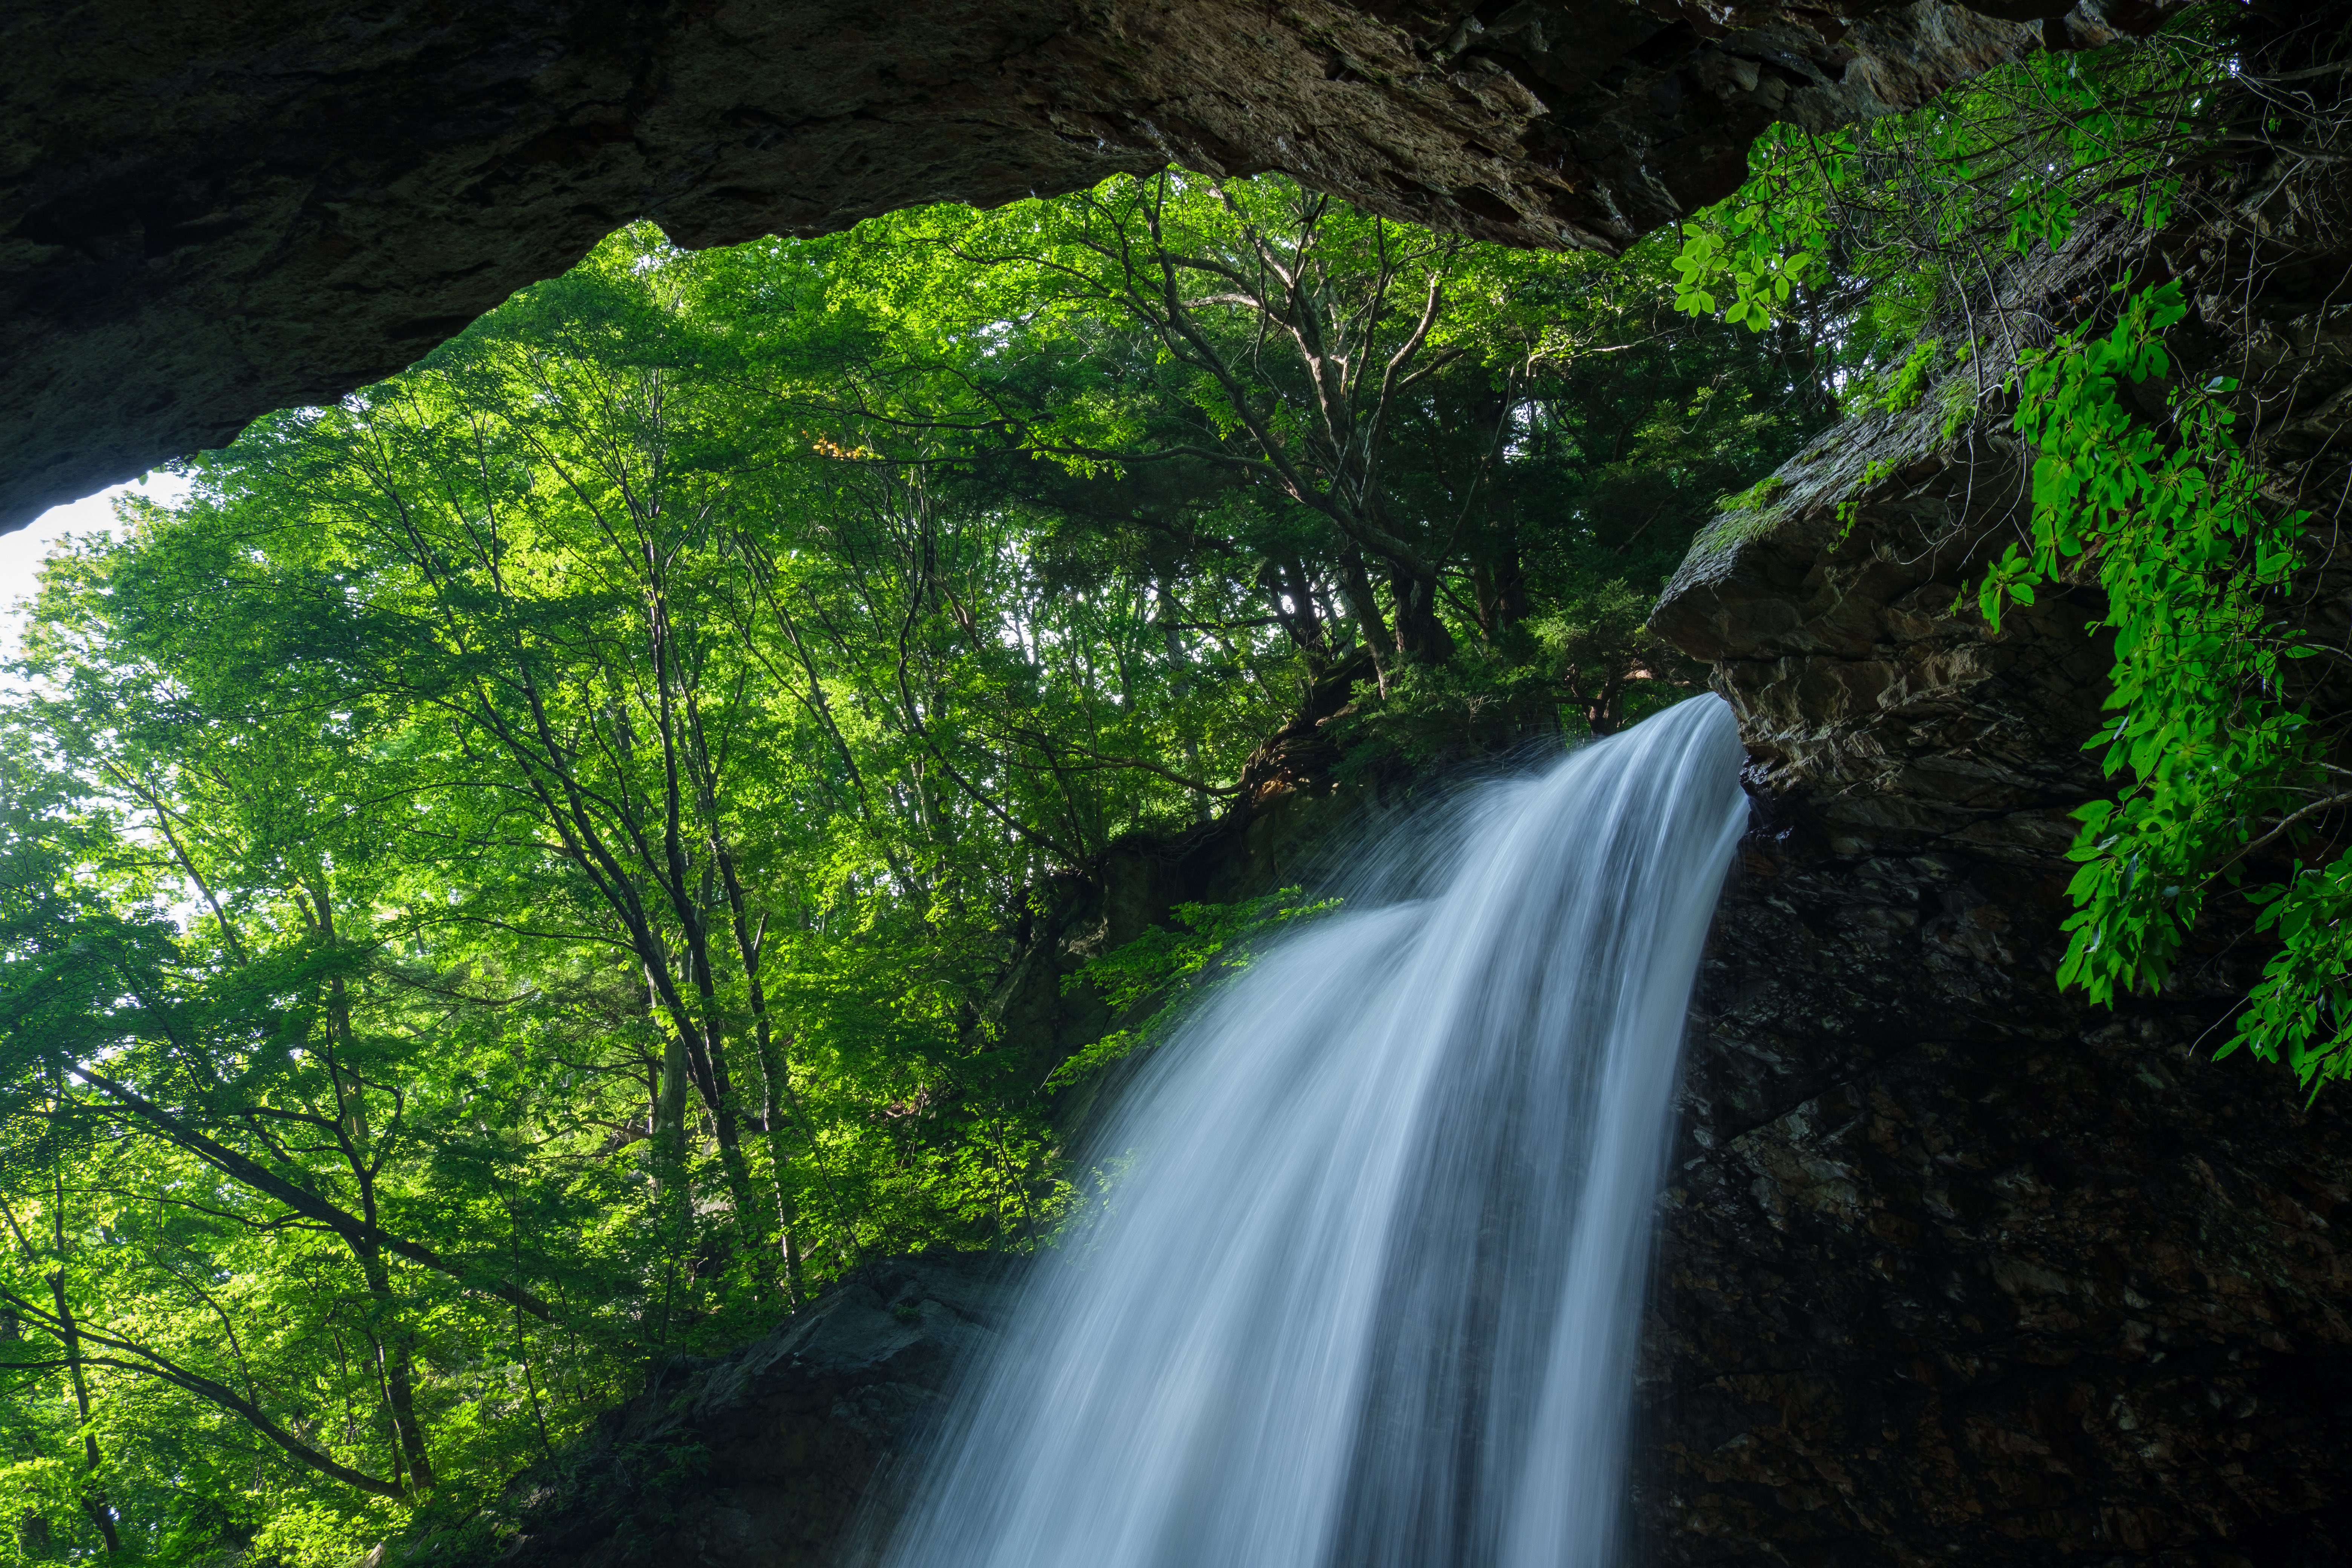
(1363, 1291)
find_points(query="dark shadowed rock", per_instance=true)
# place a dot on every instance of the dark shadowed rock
(761, 1458)
(1956, 1267)
(216, 208)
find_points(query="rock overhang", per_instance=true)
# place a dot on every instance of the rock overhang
(216, 209)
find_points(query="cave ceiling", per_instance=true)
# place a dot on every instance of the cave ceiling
(216, 209)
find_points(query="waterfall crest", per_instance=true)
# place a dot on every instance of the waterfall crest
(1364, 1293)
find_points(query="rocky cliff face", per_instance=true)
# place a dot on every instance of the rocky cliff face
(1953, 1268)
(758, 1460)
(212, 209)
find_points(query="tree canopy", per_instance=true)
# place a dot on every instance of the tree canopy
(504, 883)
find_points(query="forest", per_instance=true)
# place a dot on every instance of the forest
(504, 883)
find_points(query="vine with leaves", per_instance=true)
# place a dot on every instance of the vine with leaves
(2217, 755)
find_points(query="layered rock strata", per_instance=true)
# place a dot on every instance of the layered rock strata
(213, 209)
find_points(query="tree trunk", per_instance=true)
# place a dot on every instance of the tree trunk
(1358, 588)
(788, 1208)
(1499, 583)
(672, 1199)
(1420, 635)
(1293, 601)
(1180, 686)
(93, 1500)
(394, 1341)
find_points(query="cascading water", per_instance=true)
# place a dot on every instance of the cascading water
(1364, 1291)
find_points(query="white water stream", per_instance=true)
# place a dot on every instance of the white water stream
(1364, 1293)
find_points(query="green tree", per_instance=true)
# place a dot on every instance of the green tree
(506, 882)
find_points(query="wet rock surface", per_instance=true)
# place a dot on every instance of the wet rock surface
(761, 1458)
(213, 209)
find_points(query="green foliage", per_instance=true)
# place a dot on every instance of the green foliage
(1908, 383)
(1958, 397)
(1765, 245)
(1475, 705)
(1181, 969)
(2218, 754)
(1849, 512)
(1598, 649)
(505, 884)
(1858, 239)
(2194, 567)
(1756, 496)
